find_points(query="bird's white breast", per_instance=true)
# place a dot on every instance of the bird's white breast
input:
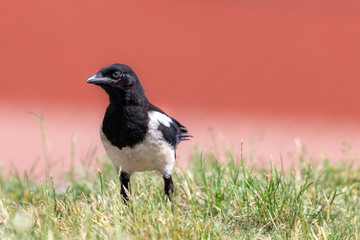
(153, 153)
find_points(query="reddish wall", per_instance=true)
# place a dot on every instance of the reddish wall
(290, 56)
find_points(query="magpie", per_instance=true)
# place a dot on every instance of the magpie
(137, 136)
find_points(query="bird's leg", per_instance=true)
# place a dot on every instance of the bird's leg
(124, 182)
(169, 187)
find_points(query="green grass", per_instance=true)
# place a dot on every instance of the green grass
(212, 200)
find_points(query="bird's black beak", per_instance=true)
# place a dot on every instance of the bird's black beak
(98, 80)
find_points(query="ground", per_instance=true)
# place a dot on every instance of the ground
(212, 200)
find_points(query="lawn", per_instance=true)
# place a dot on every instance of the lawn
(213, 200)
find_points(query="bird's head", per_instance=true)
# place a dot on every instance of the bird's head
(116, 76)
(119, 81)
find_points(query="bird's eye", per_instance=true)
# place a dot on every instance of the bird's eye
(116, 74)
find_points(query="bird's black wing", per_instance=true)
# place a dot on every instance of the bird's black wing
(175, 133)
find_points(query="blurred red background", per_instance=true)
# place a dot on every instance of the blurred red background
(287, 68)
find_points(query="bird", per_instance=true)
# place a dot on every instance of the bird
(137, 136)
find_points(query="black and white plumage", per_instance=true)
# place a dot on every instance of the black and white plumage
(136, 135)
